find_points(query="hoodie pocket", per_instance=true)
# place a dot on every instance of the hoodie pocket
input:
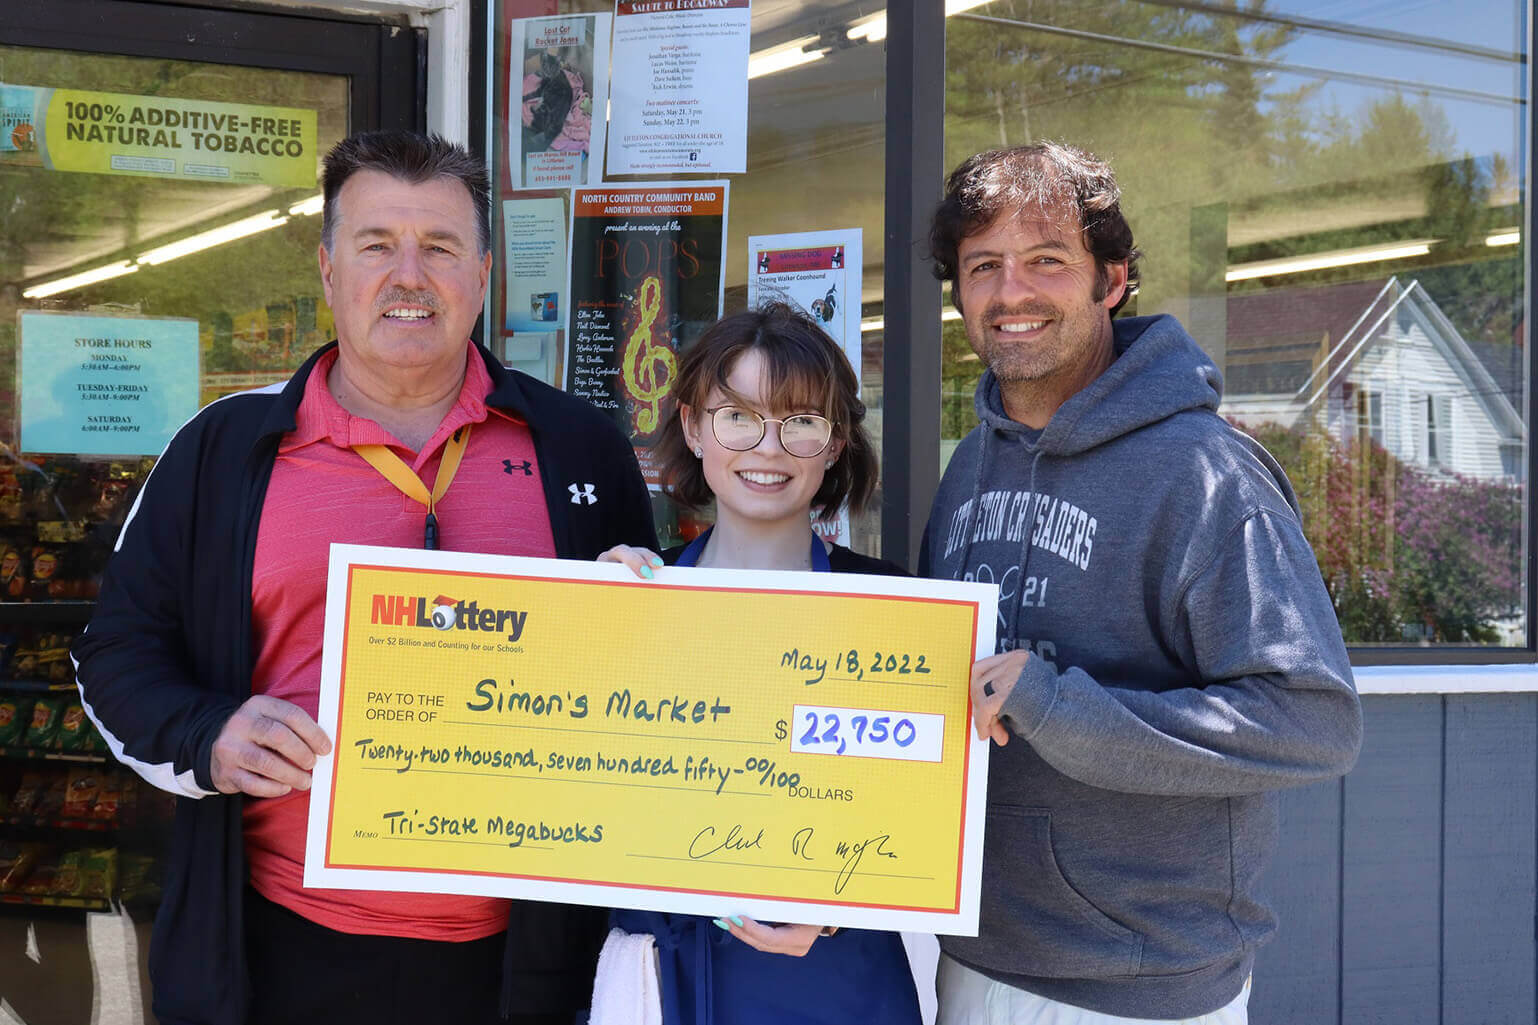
(1033, 920)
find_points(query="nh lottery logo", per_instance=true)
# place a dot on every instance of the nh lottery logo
(444, 613)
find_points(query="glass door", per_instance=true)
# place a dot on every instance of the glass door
(157, 251)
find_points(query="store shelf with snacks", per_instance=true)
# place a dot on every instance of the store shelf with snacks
(55, 874)
(43, 719)
(41, 754)
(35, 656)
(33, 901)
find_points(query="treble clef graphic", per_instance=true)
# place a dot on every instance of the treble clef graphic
(642, 357)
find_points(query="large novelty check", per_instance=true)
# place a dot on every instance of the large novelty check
(795, 746)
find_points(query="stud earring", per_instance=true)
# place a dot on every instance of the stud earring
(828, 465)
(699, 453)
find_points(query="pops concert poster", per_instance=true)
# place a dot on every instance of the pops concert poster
(647, 278)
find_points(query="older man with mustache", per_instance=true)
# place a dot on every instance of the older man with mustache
(202, 663)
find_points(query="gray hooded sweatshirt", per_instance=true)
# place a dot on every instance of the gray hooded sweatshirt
(1186, 664)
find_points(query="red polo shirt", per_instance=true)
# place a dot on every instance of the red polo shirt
(322, 491)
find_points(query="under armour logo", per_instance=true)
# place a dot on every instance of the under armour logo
(508, 466)
(582, 494)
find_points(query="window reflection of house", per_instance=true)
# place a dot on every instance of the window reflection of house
(1379, 361)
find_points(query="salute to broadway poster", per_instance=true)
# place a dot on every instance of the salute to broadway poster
(646, 279)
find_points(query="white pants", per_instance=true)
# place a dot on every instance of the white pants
(971, 998)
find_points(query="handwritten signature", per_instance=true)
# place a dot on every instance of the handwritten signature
(736, 839)
(852, 853)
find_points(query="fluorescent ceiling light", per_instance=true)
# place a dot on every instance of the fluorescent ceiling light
(90, 277)
(780, 58)
(217, 237)
(873, 28)
(1322, 261)
(309, 207)
(1504, 238)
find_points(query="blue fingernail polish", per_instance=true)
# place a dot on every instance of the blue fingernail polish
(646, 571)
(736, 919)
(656, 562)
(720, 924)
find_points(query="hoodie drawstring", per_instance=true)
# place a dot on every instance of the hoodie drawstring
(1012, 628)
(1025, 549)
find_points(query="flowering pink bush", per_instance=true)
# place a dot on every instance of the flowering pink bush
(1408, 557)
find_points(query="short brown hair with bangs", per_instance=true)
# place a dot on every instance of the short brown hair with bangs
(807, 372)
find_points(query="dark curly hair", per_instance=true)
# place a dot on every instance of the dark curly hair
(414, 159)
(1048, 176)
(807, 371)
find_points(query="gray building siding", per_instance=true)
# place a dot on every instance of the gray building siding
(1406, 891)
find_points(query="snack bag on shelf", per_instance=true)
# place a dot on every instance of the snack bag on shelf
(74, 728)
(34, 783)
(42, 881)
(16, 861)
(108, 798)
(66, 878)
(13, 574)
(80, 792)
(97, 873)
(15, 717)
(46, 713)
(45, 568)
(51, 804)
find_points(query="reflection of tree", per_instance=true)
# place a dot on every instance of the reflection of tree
(1407, 557)
(1220, 166)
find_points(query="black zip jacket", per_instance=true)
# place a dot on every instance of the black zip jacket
(168, 658)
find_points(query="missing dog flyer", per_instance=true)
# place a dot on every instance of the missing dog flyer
(679, 102)
(562, 83)
(818, 272)
(647, 278)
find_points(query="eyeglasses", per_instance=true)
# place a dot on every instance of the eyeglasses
(803, 435)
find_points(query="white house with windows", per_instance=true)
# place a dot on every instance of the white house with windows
(1380, 361)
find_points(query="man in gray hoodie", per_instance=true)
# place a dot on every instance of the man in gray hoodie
(1168, 655)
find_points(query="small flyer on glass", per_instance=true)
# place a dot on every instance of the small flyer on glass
(819, 272)
(647, 277)
(533, 281)
(679, 97)
(561, 85)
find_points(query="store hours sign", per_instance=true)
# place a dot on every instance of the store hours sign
(97, 385)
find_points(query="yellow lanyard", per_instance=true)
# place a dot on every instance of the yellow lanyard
(395, 470)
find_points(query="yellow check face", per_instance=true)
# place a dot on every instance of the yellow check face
(702, 740)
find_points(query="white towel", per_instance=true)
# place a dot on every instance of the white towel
(626, 990)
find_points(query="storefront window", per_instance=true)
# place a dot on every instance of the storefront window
(1329, 198)
(815, 163)
(157, 251)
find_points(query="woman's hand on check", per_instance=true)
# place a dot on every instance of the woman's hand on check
(793, 940)
(640, 560)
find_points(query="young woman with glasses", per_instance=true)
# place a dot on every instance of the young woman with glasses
(768, 426)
